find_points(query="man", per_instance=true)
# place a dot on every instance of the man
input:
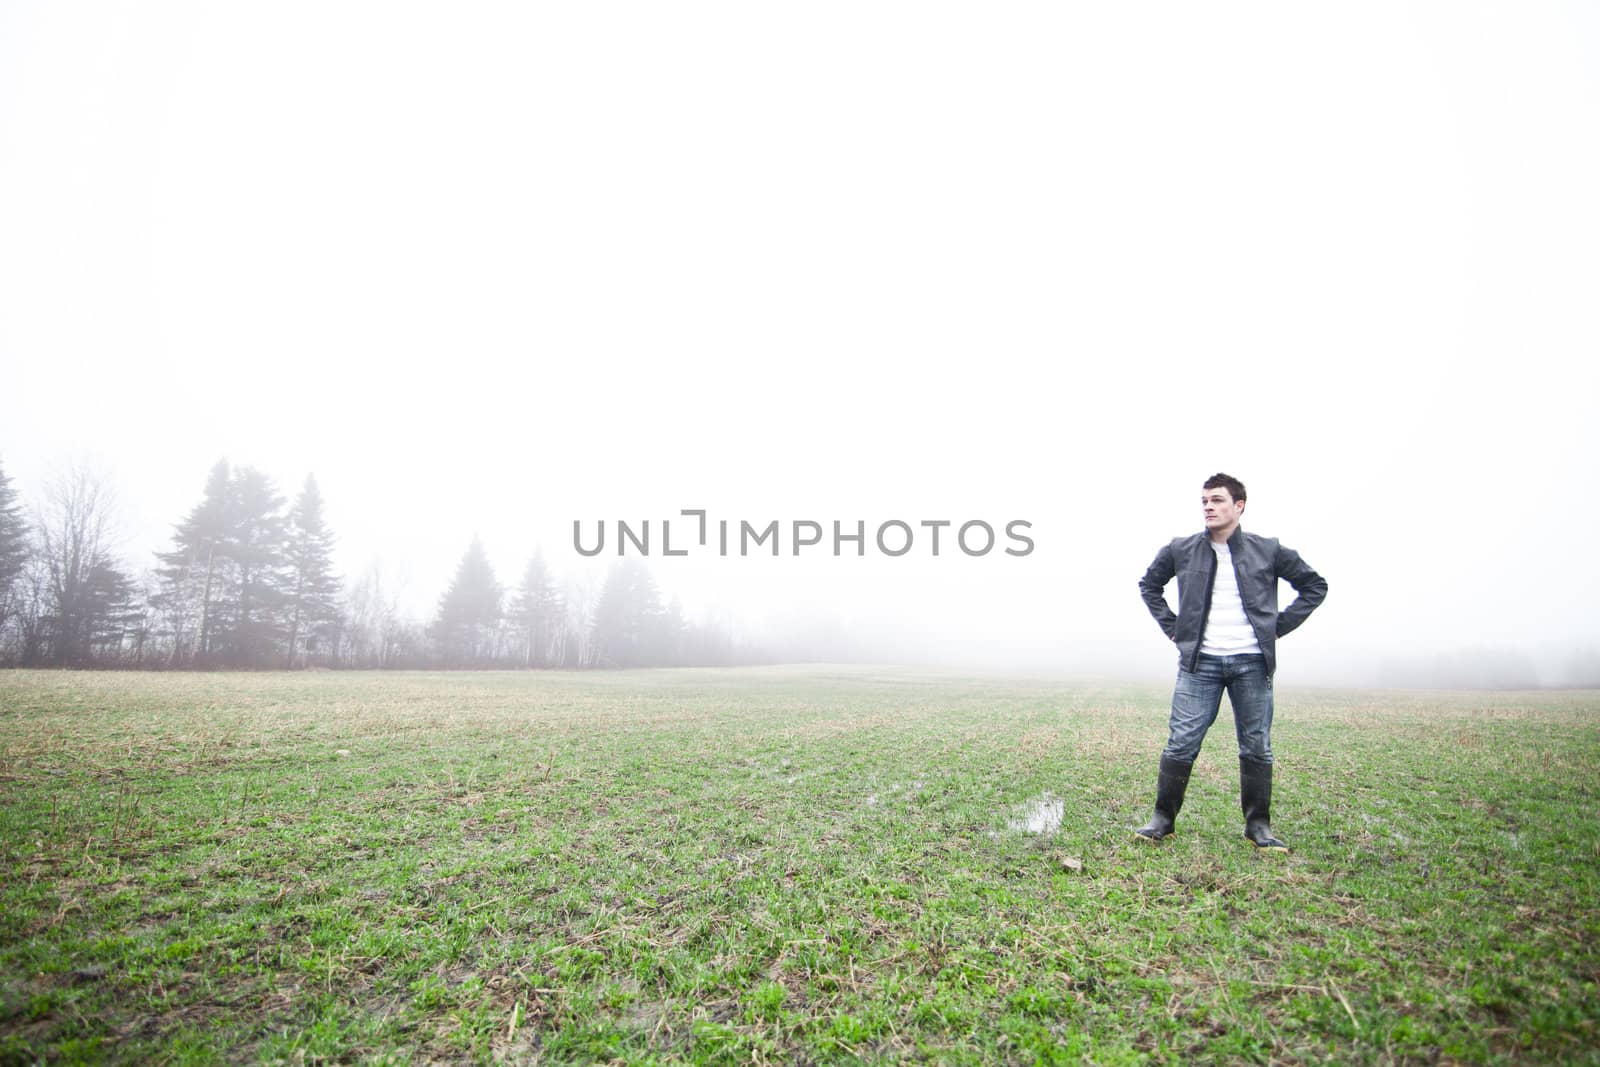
(1226, 630)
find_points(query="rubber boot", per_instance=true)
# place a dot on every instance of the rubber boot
(1170, 785)
(1255, 797)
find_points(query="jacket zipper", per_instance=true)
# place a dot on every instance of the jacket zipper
(1205, 614)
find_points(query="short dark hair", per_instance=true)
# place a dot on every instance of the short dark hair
(1233, 485)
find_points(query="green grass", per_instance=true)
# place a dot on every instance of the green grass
(780, 865)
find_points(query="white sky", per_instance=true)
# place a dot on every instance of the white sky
(492, 268)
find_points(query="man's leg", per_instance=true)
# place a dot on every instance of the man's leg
(1250, 693)
(1196, 696)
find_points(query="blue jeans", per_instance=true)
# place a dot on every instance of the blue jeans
(1197, 696)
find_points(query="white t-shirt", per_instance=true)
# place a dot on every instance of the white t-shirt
(1228, 630)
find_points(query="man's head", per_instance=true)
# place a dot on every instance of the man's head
(1222, 500)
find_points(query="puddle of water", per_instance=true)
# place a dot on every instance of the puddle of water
(1041, 815)
(894, 791)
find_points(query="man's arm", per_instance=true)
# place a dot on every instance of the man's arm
(1310, 586)
(1153, 586)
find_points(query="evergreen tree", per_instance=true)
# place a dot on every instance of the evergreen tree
(223, 584)
(627, 618)
(464, 628)
(110, 610)
(536, 612)
(192, 574)
(13, 545)
(257, 596)
(313, 589)
(668, 636)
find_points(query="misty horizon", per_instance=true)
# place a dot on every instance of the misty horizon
(795, 625)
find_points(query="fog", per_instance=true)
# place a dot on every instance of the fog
(500, 270)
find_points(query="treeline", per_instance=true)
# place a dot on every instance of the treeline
(249, 582)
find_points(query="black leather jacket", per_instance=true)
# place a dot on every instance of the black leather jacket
(1258, 563)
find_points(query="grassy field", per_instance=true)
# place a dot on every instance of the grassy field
(805, 865)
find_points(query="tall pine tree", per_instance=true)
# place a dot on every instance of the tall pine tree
(223, 584)
(192, 574)
(464, 629)
(110, 611)
(257, 595)
(312, 589)
(627, 618)
(13, 545)
(536, 612)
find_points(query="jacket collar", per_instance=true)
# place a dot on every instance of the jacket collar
(1235, 539)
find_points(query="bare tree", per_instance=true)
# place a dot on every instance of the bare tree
(362, 617)
(374, 633)
(86, 593)
(576, 646)
(29, 618)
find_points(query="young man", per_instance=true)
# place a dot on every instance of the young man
(1226, 630)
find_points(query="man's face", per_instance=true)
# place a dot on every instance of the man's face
(1221, 510)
